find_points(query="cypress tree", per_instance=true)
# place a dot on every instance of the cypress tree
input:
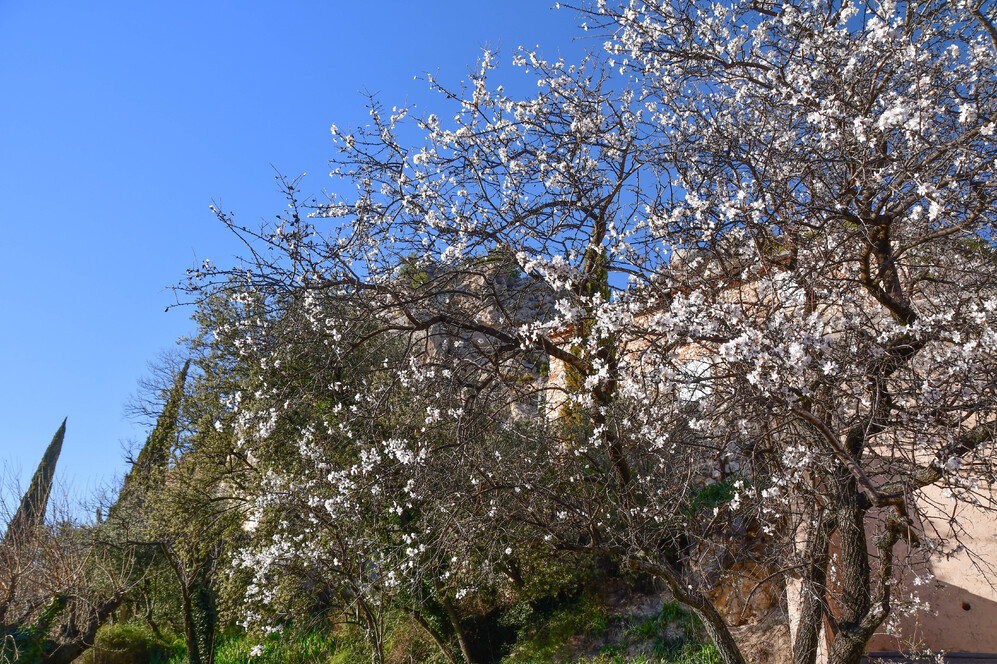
(148, 473)
(150, 466)
(31, 512)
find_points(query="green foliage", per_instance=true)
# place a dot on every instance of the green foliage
(311, 647)
(414, 271)
(674, 635)
(29, 645)
(351, 647)
(129, 643)
(406, 642)
(690, 654)
(518, 615)
(204, 616)
(150, 467)
(548, 639)
(548, 635)
(40, 629)
(501, 257)
(712, 495)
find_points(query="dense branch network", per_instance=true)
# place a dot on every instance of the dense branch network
(749, 246)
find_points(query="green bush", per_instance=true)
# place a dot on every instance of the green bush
(131, 644)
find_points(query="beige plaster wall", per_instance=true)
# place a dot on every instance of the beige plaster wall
(962, 599)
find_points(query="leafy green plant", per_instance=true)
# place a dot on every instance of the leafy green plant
(307, 648)
(124, 643)
(675, 635)
(711, 496)
(691, 654)
(549, 639)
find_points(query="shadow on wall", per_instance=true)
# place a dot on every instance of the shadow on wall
(958, 620)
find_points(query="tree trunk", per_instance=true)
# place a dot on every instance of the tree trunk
(197, 604)
(371, 616)
(813, 589)
(716, 626)
(854, 574)
(205, 617)
(720, 635)
(437, 638)
(150, 612)
(189, 628)
(69, 652)
(458, 630)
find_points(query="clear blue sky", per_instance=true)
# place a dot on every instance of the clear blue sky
(121, 122)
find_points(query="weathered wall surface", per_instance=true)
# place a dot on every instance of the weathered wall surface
(962, 596)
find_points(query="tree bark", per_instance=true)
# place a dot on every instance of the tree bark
(458, 630)
(813, 588)
(849, 642)
(69, 652)
(437, 638)
(189, 628)
(716, 626)
(197, 606)
(719, 634)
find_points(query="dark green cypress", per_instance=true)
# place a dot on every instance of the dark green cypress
(31, 513)
(150, 466)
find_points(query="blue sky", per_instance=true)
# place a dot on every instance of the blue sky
(121, 122)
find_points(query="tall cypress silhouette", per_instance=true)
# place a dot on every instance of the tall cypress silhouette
(31, 512)
(150, 467)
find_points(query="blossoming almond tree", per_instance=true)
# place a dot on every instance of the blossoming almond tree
(336, 439)
(851, 146)
(752, 240)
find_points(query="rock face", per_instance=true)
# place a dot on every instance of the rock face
(766, 641)
(748, 593)
(466, 321)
